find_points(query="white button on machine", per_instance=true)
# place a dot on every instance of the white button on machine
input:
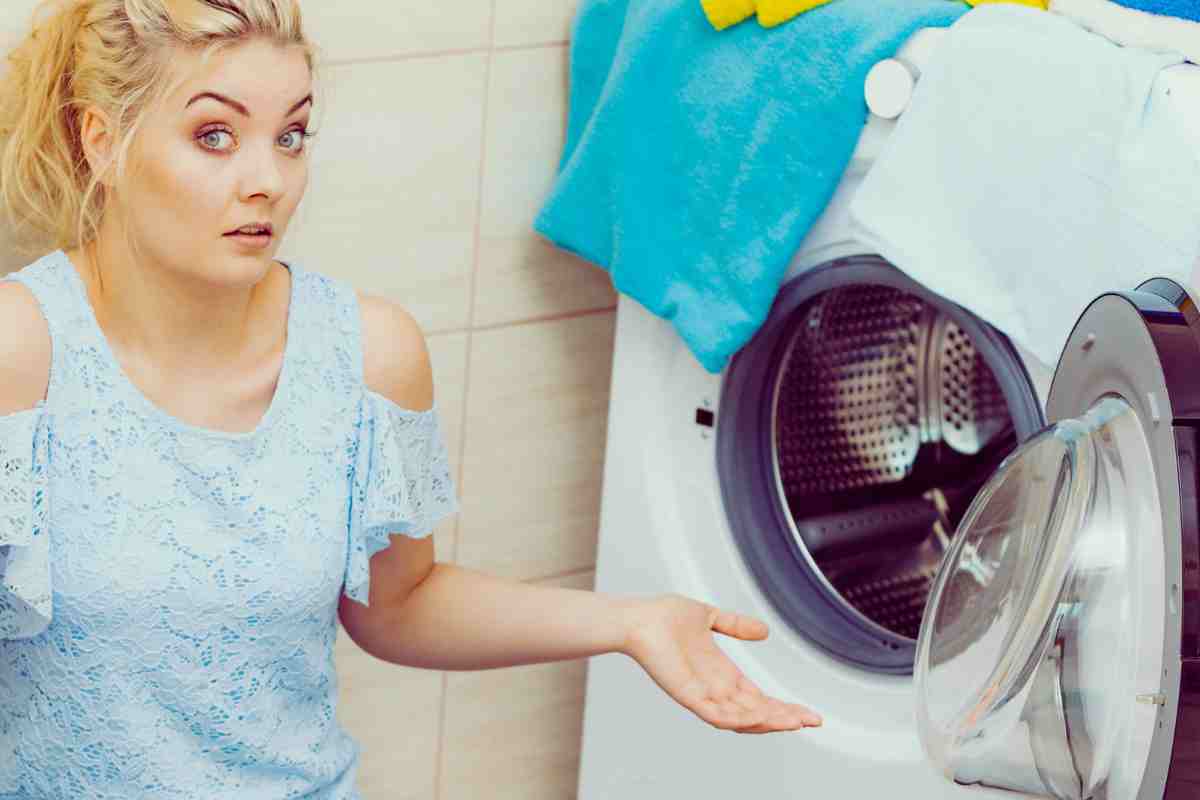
(889, 87)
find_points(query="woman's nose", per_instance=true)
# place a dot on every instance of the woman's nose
(261, 174)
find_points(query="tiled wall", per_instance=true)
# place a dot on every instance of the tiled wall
(439, 130)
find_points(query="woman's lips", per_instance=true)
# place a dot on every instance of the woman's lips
(251, 240)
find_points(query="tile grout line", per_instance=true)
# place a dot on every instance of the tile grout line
(495, 326)
(558, 576)
(448, 53)
(477, 247)
(412, 56)
(547, 45)
(438, 769)
(560, 317)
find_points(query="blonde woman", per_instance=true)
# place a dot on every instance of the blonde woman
(208, 457)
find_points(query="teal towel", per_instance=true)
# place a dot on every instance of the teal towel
(696, 160)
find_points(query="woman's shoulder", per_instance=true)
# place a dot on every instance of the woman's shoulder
(395, 356)
(25, 349)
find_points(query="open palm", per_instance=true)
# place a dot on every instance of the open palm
(672, 639)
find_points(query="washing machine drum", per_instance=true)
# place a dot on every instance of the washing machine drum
(1059, 654)
(851, 435)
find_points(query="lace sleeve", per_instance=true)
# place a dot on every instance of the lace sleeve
(25, 593)
(401, 483)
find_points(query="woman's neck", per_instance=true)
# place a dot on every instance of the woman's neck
(166, 316)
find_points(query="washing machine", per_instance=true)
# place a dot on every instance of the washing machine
(983, 571)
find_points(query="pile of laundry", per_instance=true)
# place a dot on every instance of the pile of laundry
(1152, 24)
(1159, 25)
(696, 160)
(725, 13)
(1020, 187)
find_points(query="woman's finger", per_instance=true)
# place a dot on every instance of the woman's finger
(729, 716)
(739, 626)
(784, 717)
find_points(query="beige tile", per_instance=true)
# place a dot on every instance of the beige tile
(394, 714)
(393, 195)
(521, 276)
(514, 734)
(354, 29)
(448, 352)
(537, 410)
(15, 21)
(521, 22)
(445, 540)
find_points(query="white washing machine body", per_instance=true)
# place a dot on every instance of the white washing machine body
(665, 527)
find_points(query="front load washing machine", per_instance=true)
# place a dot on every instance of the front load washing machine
(982, 571)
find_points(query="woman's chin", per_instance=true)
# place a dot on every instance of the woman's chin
(240, 271)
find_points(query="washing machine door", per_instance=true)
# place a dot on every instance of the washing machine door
(1059, 653)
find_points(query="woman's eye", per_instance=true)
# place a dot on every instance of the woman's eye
(293, 140)
(217, 140)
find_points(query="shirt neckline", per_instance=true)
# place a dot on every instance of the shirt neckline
(281, 385)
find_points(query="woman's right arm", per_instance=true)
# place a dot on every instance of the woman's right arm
(24, 350)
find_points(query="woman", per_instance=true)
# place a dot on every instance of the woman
(208, 458)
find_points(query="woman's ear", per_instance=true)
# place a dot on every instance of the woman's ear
(96, 137)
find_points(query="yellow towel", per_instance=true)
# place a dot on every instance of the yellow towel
(1042, 4)
(724, 13)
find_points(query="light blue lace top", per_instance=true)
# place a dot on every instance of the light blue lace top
(168, 594)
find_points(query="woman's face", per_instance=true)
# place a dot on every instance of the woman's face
(226, 149)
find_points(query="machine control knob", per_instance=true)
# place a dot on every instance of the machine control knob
(889, 87)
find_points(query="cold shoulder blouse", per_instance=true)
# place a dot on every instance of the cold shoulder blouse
(169, 593)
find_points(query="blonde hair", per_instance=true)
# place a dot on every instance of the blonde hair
(113, 55)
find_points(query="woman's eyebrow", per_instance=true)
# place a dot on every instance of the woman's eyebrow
(241, 109)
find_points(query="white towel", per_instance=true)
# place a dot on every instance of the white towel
(1035, 170)
(1134, 28)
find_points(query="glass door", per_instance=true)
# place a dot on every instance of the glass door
(1042, 642)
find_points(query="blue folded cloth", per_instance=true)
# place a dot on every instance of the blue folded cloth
(696, 160)
(1185, 9)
